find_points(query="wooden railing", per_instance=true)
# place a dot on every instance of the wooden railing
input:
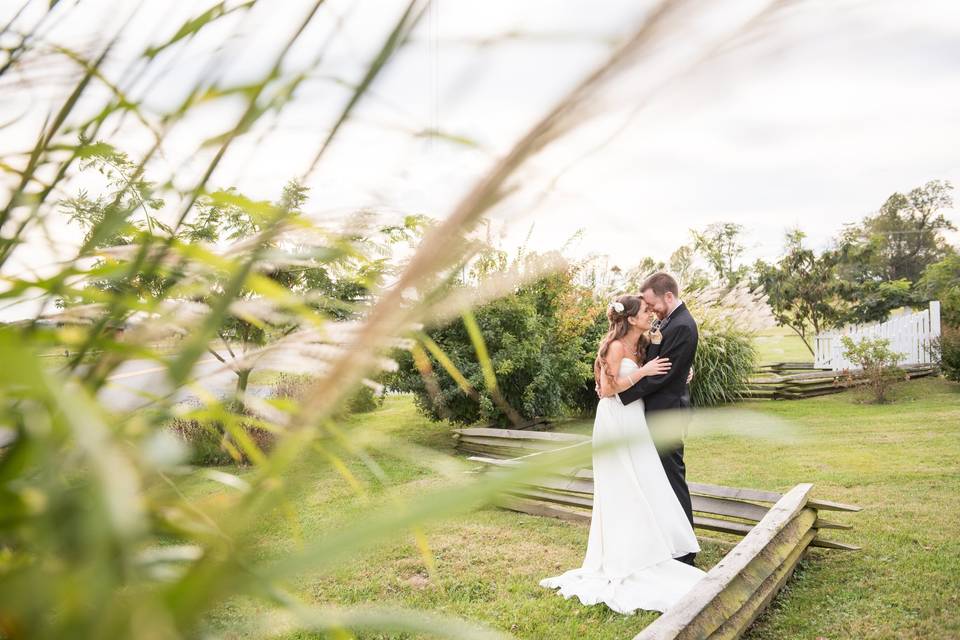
(796, 384)
(739, 587)
(777, 530)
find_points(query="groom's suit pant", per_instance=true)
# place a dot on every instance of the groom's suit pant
(676, 471)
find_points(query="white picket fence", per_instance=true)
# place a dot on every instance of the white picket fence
(910, 334)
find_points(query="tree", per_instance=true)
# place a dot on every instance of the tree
(331, 281)
(883, 257)
(941, 281)
(634, 277)
(901, 240)
(689, 276)
(872, 301)
(803, 289)
(719, 243)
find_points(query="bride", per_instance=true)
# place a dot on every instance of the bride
(638, 527)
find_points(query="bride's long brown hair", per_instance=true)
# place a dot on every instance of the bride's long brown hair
(618, 328)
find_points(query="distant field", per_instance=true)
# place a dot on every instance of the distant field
(781, 345)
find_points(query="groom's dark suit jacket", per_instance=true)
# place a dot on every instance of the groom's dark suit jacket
(679, 344)
(670, 391)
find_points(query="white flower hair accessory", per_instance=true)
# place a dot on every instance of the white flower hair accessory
(617, 306)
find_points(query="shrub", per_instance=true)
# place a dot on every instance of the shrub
(947, 348)
(541, 342)
(210, 445)
(726, 357)
(723, 364)
(941, 281)
(293, 386)
(877, 360)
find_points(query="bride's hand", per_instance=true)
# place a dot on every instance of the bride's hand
(690, 376)
(656, 367)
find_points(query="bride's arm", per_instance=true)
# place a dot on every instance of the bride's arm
(615, 355)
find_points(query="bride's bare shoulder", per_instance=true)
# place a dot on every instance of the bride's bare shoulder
(616, 349)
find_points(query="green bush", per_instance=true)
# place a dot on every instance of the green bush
(877, 360)
(541, 342)
(210, 446)
(364, 400)
(947, 348)
(726, 357)
(723, 364)
(941, 281)
(292, 386)
(204, 441)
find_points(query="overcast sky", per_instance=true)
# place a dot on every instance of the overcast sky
(810, 119)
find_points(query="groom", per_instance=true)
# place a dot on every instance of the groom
(669, 391)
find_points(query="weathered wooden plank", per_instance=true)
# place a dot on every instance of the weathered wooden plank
(739, 622)
(728, 507)
(700, 522)
(729, 584)
(826, 524)
(529, 424)
(503, 453)
(696, 488)
(827, 505)
(527, 503)
(749, 579)
(703, 504)
(553, 496)
(524, 446)
(564, 483)
(781, 384)
(579, 473)
(758, 495)
(724, 526)
(709, 490)
(537, 508)
(520, 435)
(480, 445)
(737, 493)
(830, 544)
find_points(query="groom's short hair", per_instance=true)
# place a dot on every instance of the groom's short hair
(660, 283)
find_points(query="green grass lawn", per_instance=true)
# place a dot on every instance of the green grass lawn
(781, 344)
(901, 462)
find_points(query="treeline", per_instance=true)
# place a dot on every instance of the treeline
(898, 257)
(529, 353)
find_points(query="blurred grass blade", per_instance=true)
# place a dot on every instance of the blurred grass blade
(193, 26)
(408, 20)
(448, 365)
(480, 346)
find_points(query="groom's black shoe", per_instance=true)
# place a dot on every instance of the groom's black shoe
(688, 559)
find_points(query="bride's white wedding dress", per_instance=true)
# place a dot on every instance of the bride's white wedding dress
(638, 526)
